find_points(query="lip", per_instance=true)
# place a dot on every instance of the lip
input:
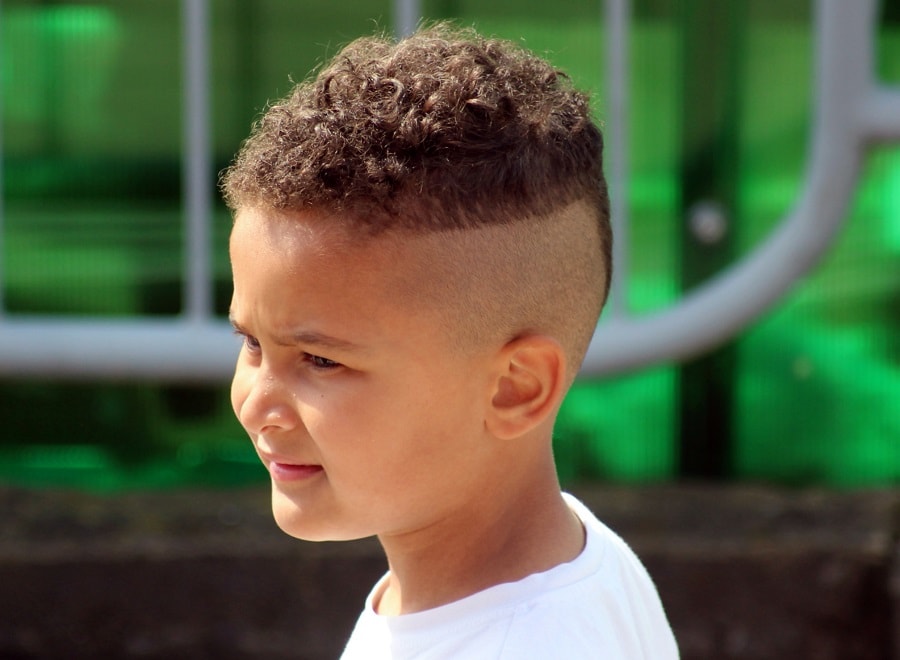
(282, 468)
(292, 471)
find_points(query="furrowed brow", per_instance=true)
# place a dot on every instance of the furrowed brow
(311, 338)
(234, 323)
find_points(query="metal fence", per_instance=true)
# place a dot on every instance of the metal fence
(852, 111)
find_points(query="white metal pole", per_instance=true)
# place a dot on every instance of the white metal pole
(196, 160)
(406, 17)
(2, 261)
(618, 21)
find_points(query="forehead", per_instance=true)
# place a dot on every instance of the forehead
(305, 251)
(277, 234)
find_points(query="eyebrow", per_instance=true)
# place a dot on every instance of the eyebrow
(306, 338)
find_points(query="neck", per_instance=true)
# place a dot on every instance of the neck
(504, 536)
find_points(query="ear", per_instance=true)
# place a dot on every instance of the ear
(529, 386)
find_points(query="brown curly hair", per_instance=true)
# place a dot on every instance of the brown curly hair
(445, 129)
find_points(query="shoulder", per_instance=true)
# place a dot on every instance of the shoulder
(588, 627)
(608, 608)
(601, 604)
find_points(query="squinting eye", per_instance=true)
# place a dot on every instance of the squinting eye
(321, 363)
(249, 341)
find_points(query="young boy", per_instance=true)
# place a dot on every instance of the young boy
(421, 250)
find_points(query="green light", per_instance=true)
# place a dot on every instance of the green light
(57, 64)
(890, 219)
(619, 429)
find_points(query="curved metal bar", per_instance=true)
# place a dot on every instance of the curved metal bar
(880, 114)
(850, 112)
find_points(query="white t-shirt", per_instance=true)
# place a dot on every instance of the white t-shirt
(600, 606)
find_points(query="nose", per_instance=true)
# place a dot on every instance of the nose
(262, 401)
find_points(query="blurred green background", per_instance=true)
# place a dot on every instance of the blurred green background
(92, 202)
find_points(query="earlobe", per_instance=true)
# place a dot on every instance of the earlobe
(529, 386)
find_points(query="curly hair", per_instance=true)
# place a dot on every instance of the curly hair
(445, 129)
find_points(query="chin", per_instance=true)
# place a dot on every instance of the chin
(308, 526)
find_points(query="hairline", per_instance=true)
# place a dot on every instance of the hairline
(422, 286)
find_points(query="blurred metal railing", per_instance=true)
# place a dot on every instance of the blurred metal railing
(851, 111)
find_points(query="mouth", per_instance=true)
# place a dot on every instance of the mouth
(292, 471)
(281, 468)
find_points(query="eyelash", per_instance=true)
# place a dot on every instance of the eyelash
(249, 341)
(320, 363)
(316, 361)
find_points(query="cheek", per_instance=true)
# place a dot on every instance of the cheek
(335, 418)
(348, 424)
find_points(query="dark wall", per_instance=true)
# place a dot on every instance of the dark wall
(745, 573)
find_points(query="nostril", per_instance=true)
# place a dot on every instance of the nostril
(277, 417)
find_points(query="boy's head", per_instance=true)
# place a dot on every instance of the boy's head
(420, 253)
(447, 132)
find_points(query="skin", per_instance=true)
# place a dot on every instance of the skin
(373, 421)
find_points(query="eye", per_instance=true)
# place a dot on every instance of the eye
(250, 342)
(321, 363)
